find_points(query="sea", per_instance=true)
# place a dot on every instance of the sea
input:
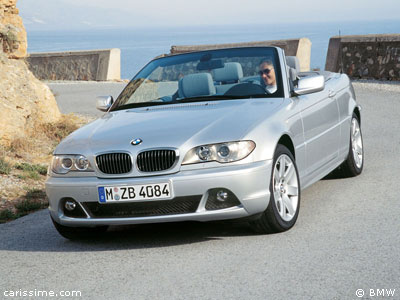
(140, 45)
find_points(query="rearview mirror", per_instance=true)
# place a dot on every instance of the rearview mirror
(309, 84)
(104, 103)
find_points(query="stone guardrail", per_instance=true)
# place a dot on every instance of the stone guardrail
(293, 47)
(365, 56)
(96, 65)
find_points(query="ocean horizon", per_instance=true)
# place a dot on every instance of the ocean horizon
(140, 45)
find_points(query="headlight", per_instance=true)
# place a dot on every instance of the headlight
(62, 164)
(223, 152)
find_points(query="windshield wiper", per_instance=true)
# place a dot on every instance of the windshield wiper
(211, 98)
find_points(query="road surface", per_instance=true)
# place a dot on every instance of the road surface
(346, 239)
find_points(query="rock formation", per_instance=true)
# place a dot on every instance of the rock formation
(25, 102)
(12, 31)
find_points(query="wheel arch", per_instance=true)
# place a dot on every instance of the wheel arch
(286, 141)
(357, 111)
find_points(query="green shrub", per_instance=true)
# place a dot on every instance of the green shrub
(33, 175)
(35, 194)
(5, 167)
(39, 169)
(6, 215)
(27, 205)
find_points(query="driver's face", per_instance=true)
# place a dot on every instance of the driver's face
(267, 73)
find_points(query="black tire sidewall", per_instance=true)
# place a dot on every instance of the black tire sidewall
(351, 155)
(285, 225)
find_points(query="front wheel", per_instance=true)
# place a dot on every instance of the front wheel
(283, 208)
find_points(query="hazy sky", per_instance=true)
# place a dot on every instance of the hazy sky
(72, 14)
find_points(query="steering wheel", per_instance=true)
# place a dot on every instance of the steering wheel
(246, 88)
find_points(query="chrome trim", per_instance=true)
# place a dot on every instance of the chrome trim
(104, 103)
(309, 84)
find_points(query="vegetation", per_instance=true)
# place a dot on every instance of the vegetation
(9, 37)
(30, 157)
(34, 194)
(7, 215)
(33, 200)
(61, 129)
(25, 206)
(36, 168)
(5, 167)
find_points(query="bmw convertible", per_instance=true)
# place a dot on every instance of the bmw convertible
(221, 134)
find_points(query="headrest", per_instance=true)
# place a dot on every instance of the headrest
(193, 85)
(293, 62)
(230, 73)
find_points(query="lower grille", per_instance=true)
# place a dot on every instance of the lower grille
(179, 205)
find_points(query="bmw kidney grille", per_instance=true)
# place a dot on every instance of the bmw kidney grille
(114, 163)
(156, 160)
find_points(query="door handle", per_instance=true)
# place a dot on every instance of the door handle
(331, 94)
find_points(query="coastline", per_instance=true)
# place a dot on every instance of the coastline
(140, 45)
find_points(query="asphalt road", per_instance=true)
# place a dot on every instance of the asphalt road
(80, 98)
(346, 238)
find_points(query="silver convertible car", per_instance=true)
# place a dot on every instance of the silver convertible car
(202, 136)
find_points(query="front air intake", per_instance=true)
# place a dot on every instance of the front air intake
(156, 160)
(114, 163)
(176, 206)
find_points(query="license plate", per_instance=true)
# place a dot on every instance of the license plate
(134, 192)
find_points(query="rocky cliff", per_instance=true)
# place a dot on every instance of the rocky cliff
(25, 102)
(12, 32)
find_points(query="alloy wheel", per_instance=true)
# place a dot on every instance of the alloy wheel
(285, 187)
(356, 143)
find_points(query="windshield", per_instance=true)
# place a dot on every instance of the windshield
(223, 74)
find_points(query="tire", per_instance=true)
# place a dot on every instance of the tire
(354, 163)
(283, 208)
(79, 233)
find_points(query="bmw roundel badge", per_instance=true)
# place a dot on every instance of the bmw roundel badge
(136, 142)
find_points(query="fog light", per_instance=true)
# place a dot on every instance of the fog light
(70, 205)
(222, 196)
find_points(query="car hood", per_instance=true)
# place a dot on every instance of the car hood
(181, 126)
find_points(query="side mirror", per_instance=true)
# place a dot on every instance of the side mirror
(104, 103)
(309, 84)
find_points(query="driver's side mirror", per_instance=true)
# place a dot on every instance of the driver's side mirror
(104, 103)
(309, 84)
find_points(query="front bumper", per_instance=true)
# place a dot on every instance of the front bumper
(248, 182)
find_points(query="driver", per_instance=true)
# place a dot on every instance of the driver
(267, 74)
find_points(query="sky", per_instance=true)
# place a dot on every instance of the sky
(91, 14)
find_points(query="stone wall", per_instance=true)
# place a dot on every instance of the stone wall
(365, 56)
(96, 65)
(294, 47)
